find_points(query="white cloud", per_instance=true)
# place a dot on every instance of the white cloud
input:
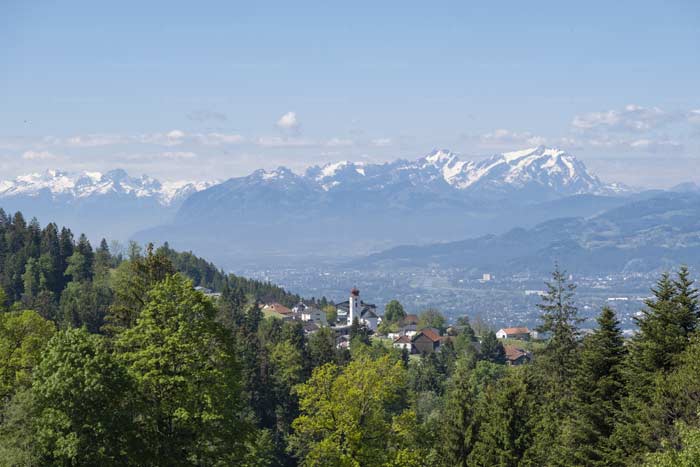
(288, 122)
(381, 142)
(648, 145)
(632, 117)
(339, 142)
(694, 117)
(214, 139)
(38, 156)
(172, 138)
(89, 141)
(177, 155)
(501, 137)
(278, 142)
(167, 155)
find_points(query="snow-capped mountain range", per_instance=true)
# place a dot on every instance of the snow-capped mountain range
(330, 209)
(60, 184)
(550, 169)
(349, 208)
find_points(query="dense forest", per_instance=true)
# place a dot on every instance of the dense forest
(111, 357)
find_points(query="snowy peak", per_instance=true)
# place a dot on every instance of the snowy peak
(547, 171)
(117, 182)
(536, 168)
(440, 157)
(336, 174)
(548, 167)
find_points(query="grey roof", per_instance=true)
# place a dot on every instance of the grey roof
(368, 313)
(345, 306)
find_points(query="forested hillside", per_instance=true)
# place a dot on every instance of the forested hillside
(113, 358)
(70, 282)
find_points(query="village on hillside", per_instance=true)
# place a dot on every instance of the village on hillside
(406, 332)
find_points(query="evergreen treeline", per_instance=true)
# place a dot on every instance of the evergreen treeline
(70, 282)
(132, 366)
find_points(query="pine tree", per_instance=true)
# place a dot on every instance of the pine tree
(503, 415)
(665, 326)
(553, 369)
(560, 323)
(492, 349)
(598, 388)
(459, 433)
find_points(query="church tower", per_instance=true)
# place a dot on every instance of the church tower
(354, 310)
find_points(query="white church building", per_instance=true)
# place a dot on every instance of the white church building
(354, 307)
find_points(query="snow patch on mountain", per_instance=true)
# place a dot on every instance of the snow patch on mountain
(87, 184)
(541, 168)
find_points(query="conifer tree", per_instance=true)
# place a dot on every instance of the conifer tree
(503, 415)
(598, 389)
(553, 369)
(560, 323)
(492, 349)
(459, 429)
(665, 326)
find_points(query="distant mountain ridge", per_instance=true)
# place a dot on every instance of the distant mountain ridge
(351, 208)
(85, 184)
(341, 209)
(113, 205)
(550, 171)
(643, 235)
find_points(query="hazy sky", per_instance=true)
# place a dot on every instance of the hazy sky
(203, 90)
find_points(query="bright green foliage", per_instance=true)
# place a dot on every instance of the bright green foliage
(23, 336)
(131, 283)
(347, 414)
(80, 409)
(183, 366)
(394, 312)
(688, 455)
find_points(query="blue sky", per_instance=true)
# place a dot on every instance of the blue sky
(217, 89)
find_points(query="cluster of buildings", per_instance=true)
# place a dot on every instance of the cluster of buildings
(408, 337)
(354, 308)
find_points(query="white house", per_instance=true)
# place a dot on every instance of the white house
(314, 315)
(513, 333)
(354, 307)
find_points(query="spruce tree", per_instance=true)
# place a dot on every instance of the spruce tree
(553, 369)
(560, 323)
(598, 389)
(666, 325)
(503, 416)
(492, 349)
(459, 434)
